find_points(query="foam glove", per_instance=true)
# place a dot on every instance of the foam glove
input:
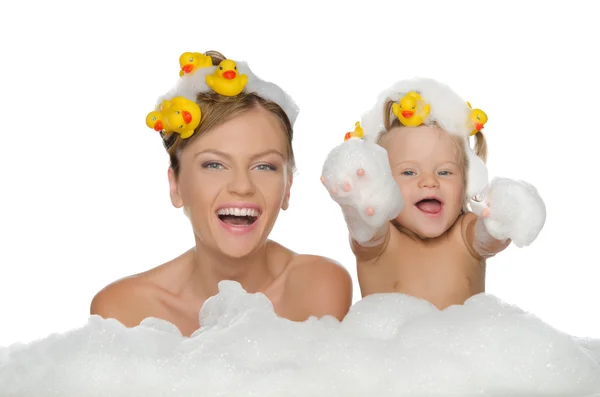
(358, 177)
(513, 210)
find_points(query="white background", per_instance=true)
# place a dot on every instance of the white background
(83, 182)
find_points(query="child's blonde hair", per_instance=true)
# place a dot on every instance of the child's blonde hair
(480, 149)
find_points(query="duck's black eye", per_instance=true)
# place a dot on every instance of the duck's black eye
(221, 67)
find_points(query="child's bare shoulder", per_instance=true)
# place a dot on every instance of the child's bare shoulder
(394, 240)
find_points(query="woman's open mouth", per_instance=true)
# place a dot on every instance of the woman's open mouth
(430, 205)
(238, 217)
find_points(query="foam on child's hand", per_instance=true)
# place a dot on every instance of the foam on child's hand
(376, 189)
(388, 345)
(517, 211)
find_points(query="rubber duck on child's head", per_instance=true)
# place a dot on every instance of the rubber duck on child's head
(411, 110)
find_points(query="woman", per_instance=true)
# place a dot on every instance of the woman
(231, 177)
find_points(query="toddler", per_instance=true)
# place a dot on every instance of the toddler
(422, 217)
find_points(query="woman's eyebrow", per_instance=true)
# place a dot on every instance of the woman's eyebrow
(213, 151)
(270, 151)
(225, 155)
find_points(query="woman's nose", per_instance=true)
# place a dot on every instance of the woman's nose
(241, 183)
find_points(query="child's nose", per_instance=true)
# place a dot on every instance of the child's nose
(428, 180)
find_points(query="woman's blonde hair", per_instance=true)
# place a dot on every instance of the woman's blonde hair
(218, 109)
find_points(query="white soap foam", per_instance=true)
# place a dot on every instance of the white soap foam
(376, 189)
(388, 345)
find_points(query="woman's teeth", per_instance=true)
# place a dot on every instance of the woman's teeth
(238, 212)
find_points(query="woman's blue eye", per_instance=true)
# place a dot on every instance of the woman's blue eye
(212, 165)
(266, 167)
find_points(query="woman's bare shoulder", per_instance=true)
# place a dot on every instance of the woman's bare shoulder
(128, 300)
(320, 285)
(310, 265)
(320, 264)
(132, 299)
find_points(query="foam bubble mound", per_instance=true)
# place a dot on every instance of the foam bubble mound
(388, 345)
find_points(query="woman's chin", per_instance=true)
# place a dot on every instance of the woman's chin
(238, 241)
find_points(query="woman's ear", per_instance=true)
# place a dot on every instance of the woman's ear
(174, 189)
(286, 199)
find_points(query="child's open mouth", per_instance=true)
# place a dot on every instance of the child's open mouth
(238, 216)
(430, 206)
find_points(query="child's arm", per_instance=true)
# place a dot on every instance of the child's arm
(372, 249)
(514, 212)
(479, 241)
(358, 177)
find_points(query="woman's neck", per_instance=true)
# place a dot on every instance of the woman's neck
(209, 267)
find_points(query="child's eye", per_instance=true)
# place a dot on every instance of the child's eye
(213, 165)
(266, 167)
(408, 173)
(445, 173)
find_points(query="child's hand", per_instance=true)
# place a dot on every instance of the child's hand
(358, 177)
(514, 211)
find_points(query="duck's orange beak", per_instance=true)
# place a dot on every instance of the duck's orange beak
(229, 75)
(188, 68)
(347, 136)
(407, 114)
(478, 126)
(158, 126)
(187, 116)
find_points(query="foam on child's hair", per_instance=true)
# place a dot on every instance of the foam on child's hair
(448, 110)
(388, 345)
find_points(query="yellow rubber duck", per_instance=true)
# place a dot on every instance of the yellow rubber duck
(357, 133)
(154, 120)
(411, 110)
(179, 115)
(477, 120)
(226, 80)
(191, 61)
